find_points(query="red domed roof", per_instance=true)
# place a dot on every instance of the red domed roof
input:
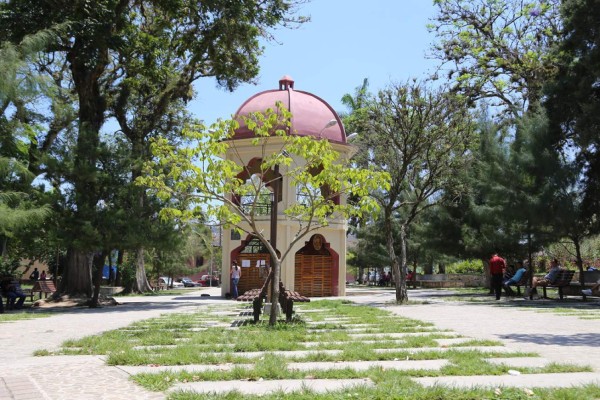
(311, 115)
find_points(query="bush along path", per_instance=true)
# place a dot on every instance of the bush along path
(332, 350)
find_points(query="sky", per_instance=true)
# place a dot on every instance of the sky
(346, 41)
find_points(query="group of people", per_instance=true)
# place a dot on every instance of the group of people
(503, 277)
(36, 276)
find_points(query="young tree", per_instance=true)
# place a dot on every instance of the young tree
(196, 176)
(421, 137)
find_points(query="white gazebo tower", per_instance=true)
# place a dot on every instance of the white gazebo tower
(316, 266)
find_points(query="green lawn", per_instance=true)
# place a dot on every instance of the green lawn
(330, 329)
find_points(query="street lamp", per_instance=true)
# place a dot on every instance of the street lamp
(351, 136)
(327, 125)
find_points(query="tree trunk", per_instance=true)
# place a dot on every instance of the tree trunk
(77, 276)
(98, 267)
(488, 275)
(275, 290)
(119, 276)
(400, 268)
(577, 243)
(141, 284)
(529, 255)
(3, 251)
(428, 268)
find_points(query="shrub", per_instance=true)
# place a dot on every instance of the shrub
(472, 266)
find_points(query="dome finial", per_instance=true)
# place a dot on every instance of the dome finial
(286, 82)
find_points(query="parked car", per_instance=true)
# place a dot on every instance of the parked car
(187, 282)
(207, 280)
(168, 282)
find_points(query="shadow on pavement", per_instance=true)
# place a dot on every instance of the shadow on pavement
(551, 339)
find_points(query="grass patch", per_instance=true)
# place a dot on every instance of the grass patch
(191, 338)
(12, 316)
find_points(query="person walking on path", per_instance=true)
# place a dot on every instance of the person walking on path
(497, 266)
(236, 274)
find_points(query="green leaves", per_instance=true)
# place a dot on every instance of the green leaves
(498, 50)
(232, 179)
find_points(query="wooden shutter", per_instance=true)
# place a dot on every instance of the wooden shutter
(313, 275)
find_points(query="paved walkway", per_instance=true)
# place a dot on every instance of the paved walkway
(80, 377)
(559, 338)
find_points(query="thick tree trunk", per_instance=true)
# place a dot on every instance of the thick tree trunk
(77, 276)
(98, 267)
(428, 268)
(141, 284)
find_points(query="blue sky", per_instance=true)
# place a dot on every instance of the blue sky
(345, 42)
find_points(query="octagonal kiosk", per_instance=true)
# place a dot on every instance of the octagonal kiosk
(316, 266)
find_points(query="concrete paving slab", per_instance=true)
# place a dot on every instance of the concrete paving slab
(520, 362)
(300, 366)
(364, 365)
(452, 341)
(267, 387)
(146, 369)
(484, 349)
(562, 380)
(398, 335)
(293, 353)
(390, 342)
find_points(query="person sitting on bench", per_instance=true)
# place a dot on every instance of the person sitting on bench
(548, 279)
(513, 280)
(588, 292)
(12, 290)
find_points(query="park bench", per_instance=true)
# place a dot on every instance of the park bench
(45, 287)
(524, 281)
(257, 296)
(287, 299)
(563, 279)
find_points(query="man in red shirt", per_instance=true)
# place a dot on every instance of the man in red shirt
(497, 267)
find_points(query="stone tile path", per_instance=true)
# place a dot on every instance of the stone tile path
(555, 338)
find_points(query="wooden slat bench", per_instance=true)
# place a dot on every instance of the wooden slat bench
(257, 296)
(524, 281)
(287, 299)
(46, 287)
(563, 279)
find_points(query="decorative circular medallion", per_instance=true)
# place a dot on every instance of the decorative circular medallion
(317, 242)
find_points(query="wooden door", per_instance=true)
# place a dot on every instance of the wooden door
(313, 275)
